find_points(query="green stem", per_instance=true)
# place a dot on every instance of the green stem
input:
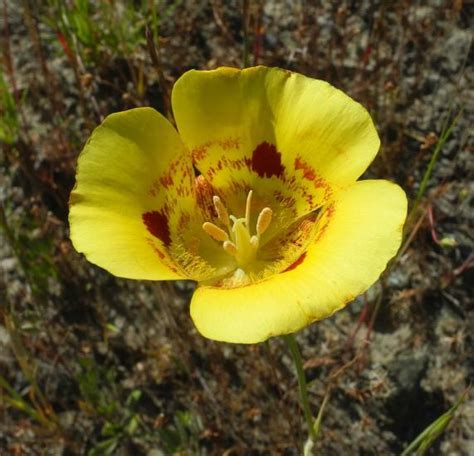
(446, 131)
(303, 389)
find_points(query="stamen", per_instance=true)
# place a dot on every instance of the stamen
(230, 248)
(221, 210)
(238, 241)
(254, 242)
(248, 208)
(215, 232)
(264, 219)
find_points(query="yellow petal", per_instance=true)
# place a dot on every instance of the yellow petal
(134, 182)
(273, 131)
(359, 231)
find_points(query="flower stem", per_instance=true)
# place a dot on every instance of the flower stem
(303, 389)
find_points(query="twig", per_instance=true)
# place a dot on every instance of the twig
(245, 31)
(165, 90)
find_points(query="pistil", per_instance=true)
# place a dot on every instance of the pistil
(238, 241)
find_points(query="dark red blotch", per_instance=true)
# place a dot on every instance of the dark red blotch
(266, 161)
(157, 224)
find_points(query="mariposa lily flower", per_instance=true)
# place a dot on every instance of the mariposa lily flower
(254, 196)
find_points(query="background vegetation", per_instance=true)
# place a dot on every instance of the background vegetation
(91, 364)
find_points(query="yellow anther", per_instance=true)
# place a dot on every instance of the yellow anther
(230, 248)
(254, 242)
(215, 232)
(238, 241)
(248, 208)
(264, 219)
(221, 210)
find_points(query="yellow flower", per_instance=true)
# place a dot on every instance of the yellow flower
(254, 197)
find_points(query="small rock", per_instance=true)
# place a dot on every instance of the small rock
(8, 264)
(408, 368)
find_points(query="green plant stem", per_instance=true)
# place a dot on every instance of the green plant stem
(303, 389)
(446, 131)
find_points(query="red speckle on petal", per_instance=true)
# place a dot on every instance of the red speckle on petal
(151, 243)
(296, 263)
(288, 202)
(326, 219)
(204, 194)
(157, 224)
(266, 161)
(184, 220)
(308, 172)
(166, 180)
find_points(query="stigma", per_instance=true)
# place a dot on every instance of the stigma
(235, 235)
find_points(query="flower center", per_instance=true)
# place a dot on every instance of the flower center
(237, 240)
